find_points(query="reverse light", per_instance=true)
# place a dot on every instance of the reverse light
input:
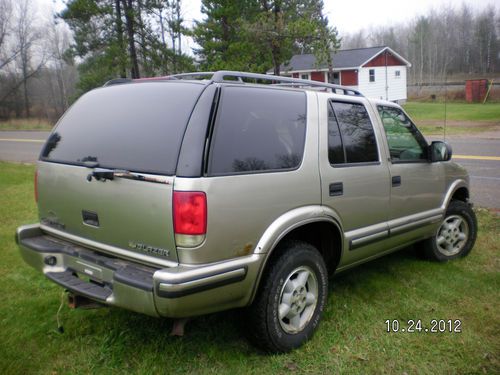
(190, 217)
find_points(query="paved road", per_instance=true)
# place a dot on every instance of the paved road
(479, 153)
(484, 171)
(21, 146)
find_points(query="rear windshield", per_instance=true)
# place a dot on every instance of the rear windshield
(136, 127)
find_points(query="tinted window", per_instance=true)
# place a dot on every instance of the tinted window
(137, 127)
(335, 148)
(258, 130)
(356, 133)
(405, 142)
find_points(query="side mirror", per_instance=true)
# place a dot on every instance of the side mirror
(440, 151)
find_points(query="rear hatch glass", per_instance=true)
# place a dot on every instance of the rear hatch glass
(137, 127)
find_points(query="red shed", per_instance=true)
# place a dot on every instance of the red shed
(475, 90)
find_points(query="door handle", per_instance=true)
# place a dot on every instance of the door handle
(336, 189)
(396, 181)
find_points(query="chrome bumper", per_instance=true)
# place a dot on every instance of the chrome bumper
(181, 291)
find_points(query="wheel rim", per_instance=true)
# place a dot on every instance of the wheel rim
(298, 299)
(452, 235)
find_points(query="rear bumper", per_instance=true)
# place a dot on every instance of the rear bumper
(181, 291)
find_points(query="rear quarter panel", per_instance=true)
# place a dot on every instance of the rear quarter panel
(241, 207)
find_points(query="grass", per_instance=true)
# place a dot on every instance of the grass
(454, 111)
(461, 118)
(26, 124)
(350, 339)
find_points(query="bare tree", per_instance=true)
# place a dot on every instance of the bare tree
(5, 17)
(22, 55)
(442, 42)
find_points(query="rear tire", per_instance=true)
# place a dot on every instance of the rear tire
(290, 301)
(455, 236)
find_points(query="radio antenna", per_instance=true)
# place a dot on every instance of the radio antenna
(445, 102)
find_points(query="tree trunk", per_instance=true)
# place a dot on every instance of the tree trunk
(119, 32)
(276, 46)
(129, 19)
(24, 59)
(178, 24)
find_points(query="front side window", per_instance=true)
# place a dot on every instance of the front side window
(258, 130)
(304, 76)
(406, 143)
(351, 138)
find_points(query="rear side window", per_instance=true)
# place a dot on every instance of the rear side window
(351, 138)
(137, 127)
(258, 129)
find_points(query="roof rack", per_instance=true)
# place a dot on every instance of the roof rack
(193, 75)
(222, 76)
(117, 81)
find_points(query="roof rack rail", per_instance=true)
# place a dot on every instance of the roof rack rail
(117, 81)
(193, 75)
(221, 75)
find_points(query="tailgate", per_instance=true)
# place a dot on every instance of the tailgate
(135, 216)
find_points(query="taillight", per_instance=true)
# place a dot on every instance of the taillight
(190, 217)
(36, 186)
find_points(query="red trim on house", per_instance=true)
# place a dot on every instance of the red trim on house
(318, 76)
(349, 77)
(295, 75)
(380, 60)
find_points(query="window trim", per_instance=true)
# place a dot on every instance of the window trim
(410, 161)
(213, 133)
(377, 145)
(360, 164)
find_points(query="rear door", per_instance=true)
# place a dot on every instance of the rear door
(354, 174)
(137, 128)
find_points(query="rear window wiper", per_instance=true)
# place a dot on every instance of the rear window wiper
(103, 174)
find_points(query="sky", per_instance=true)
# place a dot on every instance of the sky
(353, 15)
(348, 16)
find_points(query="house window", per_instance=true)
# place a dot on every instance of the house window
(397, 74)
(304, 76)
(336, 78)
(372, 75)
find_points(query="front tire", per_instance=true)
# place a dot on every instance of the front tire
(291, 299)
(455, 236)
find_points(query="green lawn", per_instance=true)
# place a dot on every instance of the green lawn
(461, 118)
(350, 339)
(420, 111)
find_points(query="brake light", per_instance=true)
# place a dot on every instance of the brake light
(36, 186)
(190, 217)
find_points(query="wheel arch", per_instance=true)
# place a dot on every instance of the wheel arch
(458, 190)
(314, 225)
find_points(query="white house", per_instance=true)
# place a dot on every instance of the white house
(377, 72)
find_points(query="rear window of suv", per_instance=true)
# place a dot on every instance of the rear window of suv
(136, 127)
(258, 130)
